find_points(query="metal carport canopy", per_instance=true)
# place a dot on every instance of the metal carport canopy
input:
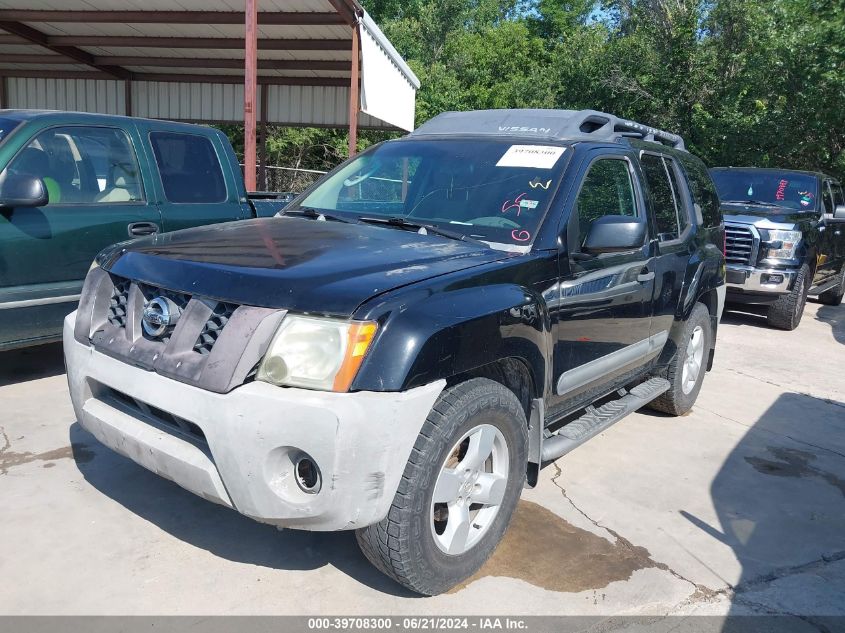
(192, 60)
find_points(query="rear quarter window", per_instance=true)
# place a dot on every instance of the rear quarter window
(189, 166)
(703, 190)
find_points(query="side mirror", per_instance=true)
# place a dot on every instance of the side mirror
(615, 234)
(21, 190)
(839, 213)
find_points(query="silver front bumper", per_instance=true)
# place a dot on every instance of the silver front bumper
(239, 449)
(757, 280)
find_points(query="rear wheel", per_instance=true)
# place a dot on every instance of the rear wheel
(833, 297)
(786, 312)
(458, 492)
(688, 366)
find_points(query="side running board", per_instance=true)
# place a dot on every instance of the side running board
(597, 420)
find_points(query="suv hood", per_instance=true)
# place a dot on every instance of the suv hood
(293, 263)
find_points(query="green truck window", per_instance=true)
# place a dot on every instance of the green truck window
(189, 167)
(83, 165)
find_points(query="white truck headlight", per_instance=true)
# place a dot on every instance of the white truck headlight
(789, 241)
(316, 353)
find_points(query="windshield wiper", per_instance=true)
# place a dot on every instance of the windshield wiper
(316, 214)
(757, 203)
(402, 223)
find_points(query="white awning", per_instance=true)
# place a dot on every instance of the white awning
(388, 86)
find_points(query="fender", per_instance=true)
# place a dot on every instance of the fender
(432, 334)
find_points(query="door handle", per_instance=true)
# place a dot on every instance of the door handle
(139, 229)
(645, 277)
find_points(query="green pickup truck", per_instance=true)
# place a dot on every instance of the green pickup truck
(73, 183)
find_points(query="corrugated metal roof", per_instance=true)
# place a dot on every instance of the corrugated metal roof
(187, 67)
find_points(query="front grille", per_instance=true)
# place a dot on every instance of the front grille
(118, 302)
(208, 345)
(214, 327)
(142, 410)
(739, 241)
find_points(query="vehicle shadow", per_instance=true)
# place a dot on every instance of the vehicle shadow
(31, 363)
(835, 318)
(779, 500)
(217, 529)
(745, 315)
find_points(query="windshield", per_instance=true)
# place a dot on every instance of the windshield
(495, 191)
(7, 126)
(792, 190)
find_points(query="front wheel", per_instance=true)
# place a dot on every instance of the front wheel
(786, 312)
(458, 492)
(688, 365)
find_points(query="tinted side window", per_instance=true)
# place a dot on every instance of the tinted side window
(607, 190)
(83, 165)
(669, 214)
(189, 167)
(827, 198)
(703, 190)
(838, 197)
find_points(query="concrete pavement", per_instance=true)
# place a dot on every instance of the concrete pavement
(738, 507)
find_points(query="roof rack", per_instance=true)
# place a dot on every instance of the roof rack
(546, 124)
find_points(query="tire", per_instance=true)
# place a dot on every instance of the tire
(786, 312)
(683, 391)
(833, 297)
(406, 545)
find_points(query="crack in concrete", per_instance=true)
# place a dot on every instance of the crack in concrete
(763, 609)
(785, 572)
(779, 386)
(701, 592)
(10, 459)
(737, 594)
(754, 429)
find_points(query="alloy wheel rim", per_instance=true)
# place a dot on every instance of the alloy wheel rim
(694, 360)
(469, 490)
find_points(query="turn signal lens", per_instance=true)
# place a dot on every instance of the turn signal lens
(360, 335)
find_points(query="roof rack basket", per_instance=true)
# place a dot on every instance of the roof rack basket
(556, 125)
(602, 124)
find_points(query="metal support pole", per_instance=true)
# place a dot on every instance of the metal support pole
(354, 91)
(250, 90)
(127, 96)
(262, 143)
(4, 99)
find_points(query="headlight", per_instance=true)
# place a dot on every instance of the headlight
(316, 353)
(788, 244)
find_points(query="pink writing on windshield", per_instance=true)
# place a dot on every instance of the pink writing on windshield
(781, 194)
(508, 205)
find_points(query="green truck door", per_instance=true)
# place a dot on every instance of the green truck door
(195, 184)
(97, 198)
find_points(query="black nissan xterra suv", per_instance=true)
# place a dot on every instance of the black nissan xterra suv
(785, 239)
(405, 347)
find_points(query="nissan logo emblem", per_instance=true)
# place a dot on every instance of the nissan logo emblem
(159, 314)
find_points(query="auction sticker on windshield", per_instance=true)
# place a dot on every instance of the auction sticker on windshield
(534, 156)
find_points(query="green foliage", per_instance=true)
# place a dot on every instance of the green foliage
(753, 82)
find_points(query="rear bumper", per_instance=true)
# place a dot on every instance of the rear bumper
(760, 281)
(239, 449)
